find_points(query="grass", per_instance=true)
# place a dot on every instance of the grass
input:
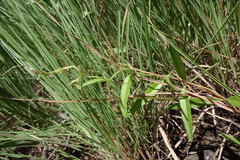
(98, 79)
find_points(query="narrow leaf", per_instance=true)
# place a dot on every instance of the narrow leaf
(194, 102)
(125, 92)
(233, 139)
(178, 63)
(154, 88)
(93, 81)
(171, 85)
(186, 116)
(235, 101)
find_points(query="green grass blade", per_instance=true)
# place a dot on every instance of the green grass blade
(119, 50)
(233, 139)
(147, 35)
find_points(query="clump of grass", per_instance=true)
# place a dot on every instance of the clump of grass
(100, 79)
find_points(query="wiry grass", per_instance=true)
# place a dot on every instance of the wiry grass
(92, 78)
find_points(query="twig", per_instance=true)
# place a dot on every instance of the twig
(222, 144)
(227, 120)
(10, 69)
(214, 116)
(165, 139)
(143, 156)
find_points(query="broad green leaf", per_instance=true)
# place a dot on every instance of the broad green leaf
(178, 63)
(194, 102)
(185, 108)
(93, 81)
(154, 88)
(234, 139)
(125, 92)
(235, 101)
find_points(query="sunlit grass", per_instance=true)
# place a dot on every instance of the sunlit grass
(95, 77)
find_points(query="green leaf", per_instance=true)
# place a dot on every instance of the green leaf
(233, 139)
(194, 102)
(125, 92)
(93, 81)
(154, 88)
(235, 101)
(147, 34)
(171, 85)
(178, 63)
(186, 115)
